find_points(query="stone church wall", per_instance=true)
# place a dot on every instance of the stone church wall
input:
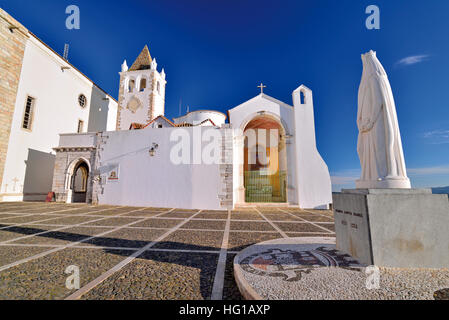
(13, 37)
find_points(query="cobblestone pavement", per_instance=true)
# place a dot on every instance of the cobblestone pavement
(136, 253)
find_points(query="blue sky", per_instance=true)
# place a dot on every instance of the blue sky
(215, 53)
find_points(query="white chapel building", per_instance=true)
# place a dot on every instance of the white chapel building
(41, 96)
(149, 160)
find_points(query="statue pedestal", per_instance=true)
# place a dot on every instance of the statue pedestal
(399, 228)
(389, 183)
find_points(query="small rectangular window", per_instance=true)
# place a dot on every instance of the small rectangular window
(28, 114)
(80, 126)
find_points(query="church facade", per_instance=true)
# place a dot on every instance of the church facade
(41, 96)
(265, 154)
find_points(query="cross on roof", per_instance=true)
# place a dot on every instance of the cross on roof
(262, 86)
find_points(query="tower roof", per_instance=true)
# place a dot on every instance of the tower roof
(143, 61)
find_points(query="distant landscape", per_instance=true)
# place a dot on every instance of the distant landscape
(441, 190)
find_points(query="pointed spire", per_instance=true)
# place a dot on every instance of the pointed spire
(124, 66)
(143, 61)
(163, 75)
(154, 64)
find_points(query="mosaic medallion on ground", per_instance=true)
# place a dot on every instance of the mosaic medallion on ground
(291, 263)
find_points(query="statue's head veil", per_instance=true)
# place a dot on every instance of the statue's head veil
(372, 65)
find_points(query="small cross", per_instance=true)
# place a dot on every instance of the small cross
(261, 87)
(15, 180)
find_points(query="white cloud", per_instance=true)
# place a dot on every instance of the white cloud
(407, 61)
(344, 179)
(337, 180)
(437, 136)
(439, 170)
(421, 177)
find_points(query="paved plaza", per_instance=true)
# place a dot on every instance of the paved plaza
(136, 253)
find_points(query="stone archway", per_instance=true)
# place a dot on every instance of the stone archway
(77, 185)
(265, 161)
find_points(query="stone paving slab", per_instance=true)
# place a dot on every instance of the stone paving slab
(317, 218)
(329, 226)
(253, 226)
(269, 211)
(10, 254)
(127, 238)
(250, 209)
(246, 216)
(63, 237)
(29, 219)
(115, 222)
(68, 220)
(192, 240)
(17, 232)
(142, 214)
(12, 204)
(13, 209)
(192, 211)
(306, 235)
(158, 223)
(161, 276)
(30, 210)
(76, 211)
(107, 213)
(239, 240)
(298, 227)
(5, 215)
(43, 210)
(45, 278)
(87, 231)
(212, 215)
(199, 224)
(159, 210)
(281, 216)
(178, 215)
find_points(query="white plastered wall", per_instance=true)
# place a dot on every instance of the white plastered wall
(313, 178)
(30, 158)
(155, 181)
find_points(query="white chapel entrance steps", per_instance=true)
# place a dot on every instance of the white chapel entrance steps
(264, 205)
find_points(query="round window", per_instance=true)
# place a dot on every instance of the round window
(82, 100)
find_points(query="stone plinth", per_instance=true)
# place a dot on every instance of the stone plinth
(399, 228)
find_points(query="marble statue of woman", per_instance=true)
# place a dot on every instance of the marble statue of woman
(379, 145)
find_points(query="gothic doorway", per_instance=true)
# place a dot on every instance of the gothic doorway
(79, 182)
(265, 161)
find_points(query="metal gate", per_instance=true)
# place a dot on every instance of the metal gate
(260, 187)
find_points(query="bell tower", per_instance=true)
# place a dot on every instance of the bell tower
(141, 93)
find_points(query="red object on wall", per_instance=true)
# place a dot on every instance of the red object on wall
(50, 197)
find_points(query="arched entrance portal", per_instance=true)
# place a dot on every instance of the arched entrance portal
(78, 185)
(265, 161)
